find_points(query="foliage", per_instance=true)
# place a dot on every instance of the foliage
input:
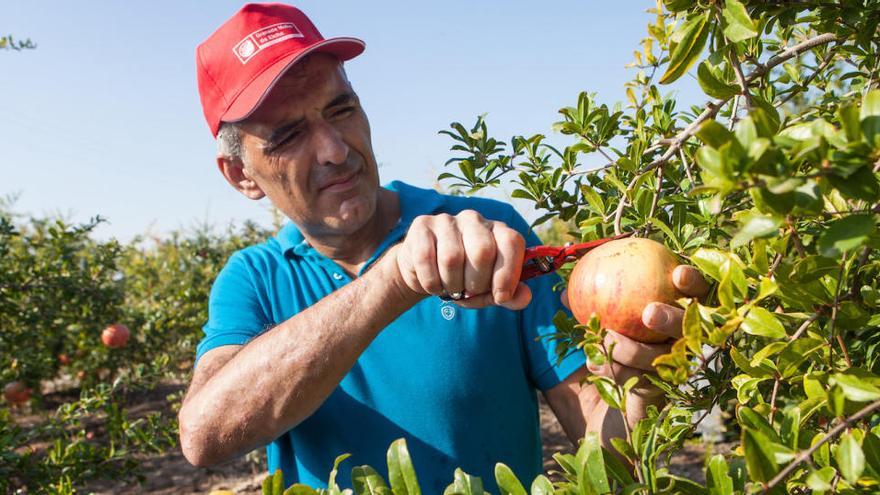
(59, 287)
(771, 189)
(8, 42)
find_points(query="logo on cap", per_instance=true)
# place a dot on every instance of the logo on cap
(262, 38)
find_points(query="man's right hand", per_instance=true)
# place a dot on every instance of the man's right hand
(466, 253)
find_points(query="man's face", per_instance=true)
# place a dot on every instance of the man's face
(307, 147)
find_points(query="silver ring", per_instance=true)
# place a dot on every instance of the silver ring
(455, 296)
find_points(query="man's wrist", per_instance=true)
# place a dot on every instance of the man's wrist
(389, 275)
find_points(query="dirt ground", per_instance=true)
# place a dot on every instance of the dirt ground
(171, 474)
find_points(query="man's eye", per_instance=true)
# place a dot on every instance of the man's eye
(286, 140)
(342, 112)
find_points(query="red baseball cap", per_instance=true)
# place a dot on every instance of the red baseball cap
(240, 62)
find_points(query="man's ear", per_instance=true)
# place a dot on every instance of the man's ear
(239, 177)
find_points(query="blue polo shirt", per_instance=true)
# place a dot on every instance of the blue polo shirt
(459, 384)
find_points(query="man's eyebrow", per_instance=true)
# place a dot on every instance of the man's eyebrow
(340, 99)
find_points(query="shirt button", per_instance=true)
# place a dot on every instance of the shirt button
(337, 276)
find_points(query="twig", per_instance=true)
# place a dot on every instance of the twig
(798, 244)
(846, 423)
(806, 324)
(843, 349)
(834, 309)
(733, 116)
(857, 277)
(740, 78)
(804, 85)
(626, 429)
(687, 167)
(773, 399)
(656, 193)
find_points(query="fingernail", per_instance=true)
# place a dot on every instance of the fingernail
(657, 317)
(683, 278)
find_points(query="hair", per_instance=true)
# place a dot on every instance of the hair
(229, 141)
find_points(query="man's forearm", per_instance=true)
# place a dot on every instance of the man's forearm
(281, 377)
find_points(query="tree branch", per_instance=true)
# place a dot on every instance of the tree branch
(803, 456)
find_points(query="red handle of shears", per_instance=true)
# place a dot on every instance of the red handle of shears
(540, 260)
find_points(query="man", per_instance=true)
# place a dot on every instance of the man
(329, 338)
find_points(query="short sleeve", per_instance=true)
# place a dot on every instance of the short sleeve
(537, 324)
(235, 315)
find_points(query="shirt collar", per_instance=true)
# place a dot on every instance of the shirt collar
(414, 201)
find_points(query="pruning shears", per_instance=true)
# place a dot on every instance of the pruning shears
(540, 260)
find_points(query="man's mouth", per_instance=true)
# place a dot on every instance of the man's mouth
(341, 183)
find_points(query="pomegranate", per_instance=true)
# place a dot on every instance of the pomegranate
(115, 336)
(16, 393)
(617, 280)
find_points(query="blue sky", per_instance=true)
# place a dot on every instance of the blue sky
(104, 117)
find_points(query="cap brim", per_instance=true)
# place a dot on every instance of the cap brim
(250, 98)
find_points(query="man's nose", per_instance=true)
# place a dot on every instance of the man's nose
(330, 148)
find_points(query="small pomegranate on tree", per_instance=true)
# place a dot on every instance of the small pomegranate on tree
(16, 393)
(115, 336)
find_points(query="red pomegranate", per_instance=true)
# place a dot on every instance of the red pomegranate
(115, 336)
(617, 280)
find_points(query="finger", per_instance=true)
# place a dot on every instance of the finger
(508, 262)
(407, 272)
(564, 297)
(450, 254)
(620, 374)
(633, 353)
(479, 251)
(423, 255)
(522, 296)
(689, 281)
(663, 318)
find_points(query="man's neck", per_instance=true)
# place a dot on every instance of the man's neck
(351, 251)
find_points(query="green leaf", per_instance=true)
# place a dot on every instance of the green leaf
(845, 234)
(366, 481)
(300, 489)
(739, 25)
(692, 329)
(850, 458)
(542, 486)
(331, 482)
(274, 484)
(714, 134)
(678, 5)
(755, 225)
(508, 483)
(860, 184)
(593, 464)
(760, 458)
(870, 117)
(713, 86)
(718, 481)
(850, 122)
(761, 322)
(855, 388)
(401, 473)
(820, 480)
(871, 448)
(692, 34)
(465, 484)
(709, 261)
